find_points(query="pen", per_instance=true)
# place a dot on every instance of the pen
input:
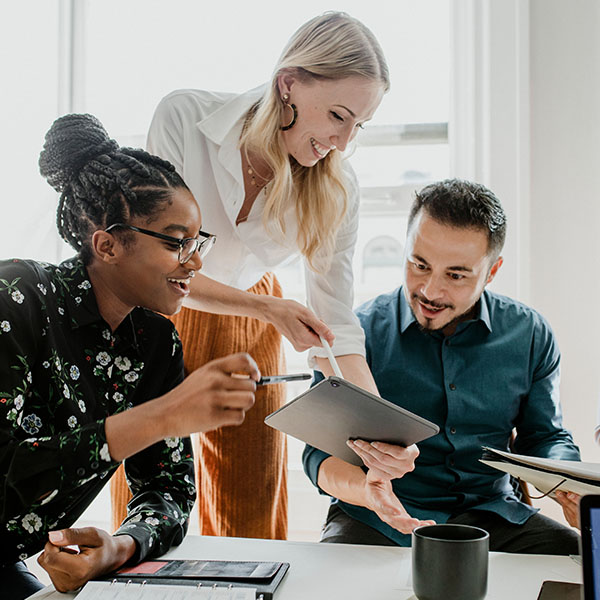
(283, 378)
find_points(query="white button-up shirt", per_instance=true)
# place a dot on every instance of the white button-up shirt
(199, 132)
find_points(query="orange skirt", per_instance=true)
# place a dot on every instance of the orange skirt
(241, 472)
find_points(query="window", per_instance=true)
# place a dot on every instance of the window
(28, 104)
(121, 58)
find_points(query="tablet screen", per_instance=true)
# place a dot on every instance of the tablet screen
(589, 510)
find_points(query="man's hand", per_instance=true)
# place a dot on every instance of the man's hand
(382, 500)
(99, 553)
(570, 505)
(297, 323)
(386, 461)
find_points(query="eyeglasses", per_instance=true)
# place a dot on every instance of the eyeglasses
(187, 246)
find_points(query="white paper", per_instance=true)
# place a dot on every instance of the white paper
(574, 467)
(555, 473)
(100, 590)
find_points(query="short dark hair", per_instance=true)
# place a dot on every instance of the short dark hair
(466, 204)
(101, 183)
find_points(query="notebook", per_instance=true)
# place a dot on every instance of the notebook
(183, 579)
(546, 474)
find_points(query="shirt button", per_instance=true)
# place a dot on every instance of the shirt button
(94, 465)
(452, 431)
(452, 386)
(451, 462)
(81, 471)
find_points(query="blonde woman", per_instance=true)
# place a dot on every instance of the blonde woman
(267, 170)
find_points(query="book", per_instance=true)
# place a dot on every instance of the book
(214, 576)
(546, 474)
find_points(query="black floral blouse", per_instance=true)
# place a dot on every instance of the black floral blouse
(62, 372)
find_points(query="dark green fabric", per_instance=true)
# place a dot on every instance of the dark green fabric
(497, 372)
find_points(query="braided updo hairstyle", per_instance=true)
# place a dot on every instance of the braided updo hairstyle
(99, 182)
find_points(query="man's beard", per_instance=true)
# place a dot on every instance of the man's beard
(427, 328)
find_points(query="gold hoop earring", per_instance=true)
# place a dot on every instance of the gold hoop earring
(286, 104)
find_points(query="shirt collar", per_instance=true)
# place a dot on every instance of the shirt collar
(407, 317)
(484, 310)
(219, 124)
(76, 288)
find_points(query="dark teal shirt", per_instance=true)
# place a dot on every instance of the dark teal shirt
(497, 372)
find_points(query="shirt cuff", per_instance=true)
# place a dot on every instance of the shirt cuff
(349, 339)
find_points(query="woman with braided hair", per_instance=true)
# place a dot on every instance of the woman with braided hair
(91, 376)
(267, 169)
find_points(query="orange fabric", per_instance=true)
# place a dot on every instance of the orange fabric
(119, 497)
(241, 472)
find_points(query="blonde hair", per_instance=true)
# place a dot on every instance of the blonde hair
(330, 46)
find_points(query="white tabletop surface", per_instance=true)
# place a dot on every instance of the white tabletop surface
(348, 572)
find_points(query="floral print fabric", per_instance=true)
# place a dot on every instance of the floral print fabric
(62, 373)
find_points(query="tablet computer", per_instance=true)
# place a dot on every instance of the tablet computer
(589, 516)
(335, 410)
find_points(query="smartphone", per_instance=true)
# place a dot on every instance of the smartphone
(283, 378)
(560, 590)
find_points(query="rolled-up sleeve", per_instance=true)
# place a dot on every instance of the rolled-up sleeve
(331, 294)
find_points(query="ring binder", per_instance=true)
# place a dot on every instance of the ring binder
(210, 579)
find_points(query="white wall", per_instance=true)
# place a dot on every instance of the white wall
(565, 197)
(526, 122)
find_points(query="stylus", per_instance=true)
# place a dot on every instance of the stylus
(337, 371)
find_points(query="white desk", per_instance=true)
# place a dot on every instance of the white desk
(345, 572)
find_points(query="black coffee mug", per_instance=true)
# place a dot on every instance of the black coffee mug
(450, 562)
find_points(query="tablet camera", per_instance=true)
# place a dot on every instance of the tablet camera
(335, 384)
